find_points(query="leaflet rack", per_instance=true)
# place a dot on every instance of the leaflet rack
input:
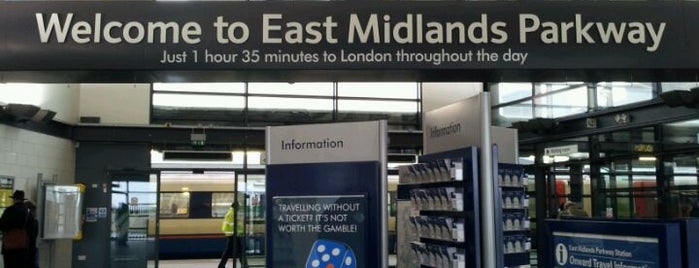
(443, 191)
(443, 228)
(514, 210)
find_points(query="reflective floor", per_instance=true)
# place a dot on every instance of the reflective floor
(199, 263)
(213, 263)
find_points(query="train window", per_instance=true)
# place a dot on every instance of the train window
(220, 202)
(199, 205)
(174, 205)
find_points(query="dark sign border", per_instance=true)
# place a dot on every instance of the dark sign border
(24, 58)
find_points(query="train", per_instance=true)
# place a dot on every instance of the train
(192, 208)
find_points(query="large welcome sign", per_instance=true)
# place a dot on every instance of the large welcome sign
(153, 35)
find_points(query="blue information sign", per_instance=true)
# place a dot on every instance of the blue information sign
(333, 205)
(319, 231)
(600, 250)
(326, 196)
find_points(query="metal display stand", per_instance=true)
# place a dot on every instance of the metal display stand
(514, 210)
(444, 229)
(444, 189)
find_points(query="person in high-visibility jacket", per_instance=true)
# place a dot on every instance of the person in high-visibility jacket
(122, 224)
(233, 245)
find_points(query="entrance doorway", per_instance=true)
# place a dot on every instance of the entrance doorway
(192, 205)
(134, 199)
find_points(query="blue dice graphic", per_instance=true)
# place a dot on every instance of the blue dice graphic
(330, 254)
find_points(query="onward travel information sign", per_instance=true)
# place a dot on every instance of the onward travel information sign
(598, 250)
(158, 35)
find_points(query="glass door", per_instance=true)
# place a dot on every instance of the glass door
(133, 209)
(254, 218)
(192, 207)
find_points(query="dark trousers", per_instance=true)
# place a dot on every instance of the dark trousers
(233, 249)
(17, 258)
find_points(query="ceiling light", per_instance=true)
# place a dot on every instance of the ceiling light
(647, 158)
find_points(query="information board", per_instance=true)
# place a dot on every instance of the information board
(320, 231)
(613, 243)
(596, 250)
(326, 195)
(6, 186)
(62, 211)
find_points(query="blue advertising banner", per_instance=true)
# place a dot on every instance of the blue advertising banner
(596, 250)
(333, 205)
(321, 231)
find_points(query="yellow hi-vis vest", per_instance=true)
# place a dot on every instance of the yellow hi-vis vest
(228, 223)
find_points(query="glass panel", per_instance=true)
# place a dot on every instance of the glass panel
(684, 187)
(280, 103)
(134, 205)
(407, 90)
(308, 89)
(201, 87)
(519, 111)
(681, 135)
(254, 158)
(508, 92)
(573, 101)
(631, 191)
(560, 176)
(220, 202)
(670, 86)
(255, 203)
(198, 101)
(587, 202)
(611, 94)
(24, 93)
(549, 87)
(377, 106)
(623, 205)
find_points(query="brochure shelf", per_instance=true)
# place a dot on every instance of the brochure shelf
(443, 230)
(514, 208)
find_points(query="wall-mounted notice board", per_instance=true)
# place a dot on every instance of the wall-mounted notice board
(62, 211)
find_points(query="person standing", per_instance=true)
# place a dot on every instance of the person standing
(571, 210)
(122, 224)
(228, 227)
(15, 220)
